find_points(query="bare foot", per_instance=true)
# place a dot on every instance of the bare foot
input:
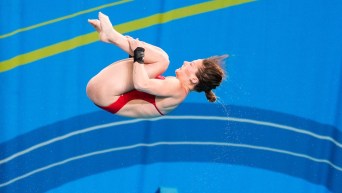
(96, 24)
(105, 28)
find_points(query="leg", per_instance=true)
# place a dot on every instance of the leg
(108, 34)
(114, 80)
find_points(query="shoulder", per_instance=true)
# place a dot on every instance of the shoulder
(172, 80)
(174, 86)
(170, 86)
(173, 94)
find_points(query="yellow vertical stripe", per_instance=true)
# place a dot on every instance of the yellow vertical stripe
(123, 28)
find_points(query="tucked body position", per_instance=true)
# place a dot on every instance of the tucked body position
(135, 87)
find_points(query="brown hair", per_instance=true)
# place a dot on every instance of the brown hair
(210, 76)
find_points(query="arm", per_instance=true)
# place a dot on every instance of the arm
(154, 54)
(163, 88)
(142, 82)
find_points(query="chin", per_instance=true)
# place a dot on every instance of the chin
(178, 73)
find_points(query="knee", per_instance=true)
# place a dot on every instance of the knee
(165, 63)
(166, 60)
(91, 89)
(94, 91)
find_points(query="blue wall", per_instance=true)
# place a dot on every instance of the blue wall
(276, 128)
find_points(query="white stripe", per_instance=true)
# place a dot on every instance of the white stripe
(89, 129)
(216, 118)
(264, 123)
(167, 143)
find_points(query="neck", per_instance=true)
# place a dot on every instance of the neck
(185, 85)
(186, 89)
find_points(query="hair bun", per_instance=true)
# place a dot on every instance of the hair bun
(210, 96)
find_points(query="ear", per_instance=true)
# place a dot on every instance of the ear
(194, 80)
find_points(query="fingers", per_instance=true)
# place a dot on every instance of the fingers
(128, 37)
(137, 43)
(130, 42)
(133, 43)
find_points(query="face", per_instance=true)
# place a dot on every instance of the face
(187, 72)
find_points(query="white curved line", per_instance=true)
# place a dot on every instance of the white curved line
(264, 123)
(216, 118)
(168, 143)
(39, 145)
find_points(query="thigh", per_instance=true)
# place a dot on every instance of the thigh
(117, 78)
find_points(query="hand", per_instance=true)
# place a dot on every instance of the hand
(134, 43)
(137, 48)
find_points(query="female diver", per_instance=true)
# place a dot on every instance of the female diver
(134, 87)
